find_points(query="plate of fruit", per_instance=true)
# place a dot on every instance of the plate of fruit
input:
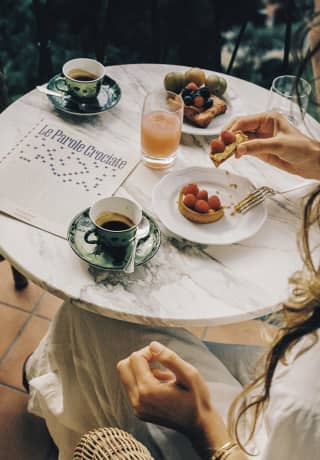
(197, 204)
(209, 102)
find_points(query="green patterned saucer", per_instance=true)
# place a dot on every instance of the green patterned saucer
(113, 259)
(109, 95)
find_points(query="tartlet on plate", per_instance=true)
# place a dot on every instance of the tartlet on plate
(199, 217)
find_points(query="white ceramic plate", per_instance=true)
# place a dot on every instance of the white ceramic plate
(231, 188)
(236, 107)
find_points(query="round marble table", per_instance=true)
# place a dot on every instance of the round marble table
(184, 284)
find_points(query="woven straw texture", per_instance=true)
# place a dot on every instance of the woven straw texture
(110, 443)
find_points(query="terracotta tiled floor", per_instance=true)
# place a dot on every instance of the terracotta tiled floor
(24, 319)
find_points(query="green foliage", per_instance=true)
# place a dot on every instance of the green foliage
(186, 35)
(17, 45)
(263, 66)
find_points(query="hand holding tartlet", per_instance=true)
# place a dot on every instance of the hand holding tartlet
(223, 148)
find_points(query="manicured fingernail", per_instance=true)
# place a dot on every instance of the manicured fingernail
(156, 348)
(241, 150)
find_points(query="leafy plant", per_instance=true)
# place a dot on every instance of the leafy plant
(177, 32)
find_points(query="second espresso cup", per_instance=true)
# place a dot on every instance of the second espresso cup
(115, 220)
(81, 78)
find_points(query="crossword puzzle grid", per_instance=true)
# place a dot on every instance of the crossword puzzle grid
(54, 172)
(64, 163)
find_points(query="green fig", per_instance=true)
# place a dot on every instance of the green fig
(213, 82)
(221, 87)
(174, 81)
(195, 75)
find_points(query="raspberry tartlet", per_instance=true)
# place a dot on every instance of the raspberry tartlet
(196, 206)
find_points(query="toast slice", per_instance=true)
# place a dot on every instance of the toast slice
(218, 158)
(201, 117)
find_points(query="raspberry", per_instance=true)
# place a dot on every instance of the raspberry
(190, 188)
(228, 137)
(214, 202)
(198, 101)
(189, 200)
(192, 86)
(201, 206)
(217, 146)
(202, 195)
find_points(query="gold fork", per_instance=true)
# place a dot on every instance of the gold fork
(259, 195)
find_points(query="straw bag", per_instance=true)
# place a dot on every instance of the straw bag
(110, 444)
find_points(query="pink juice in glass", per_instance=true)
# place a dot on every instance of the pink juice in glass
(160, 133)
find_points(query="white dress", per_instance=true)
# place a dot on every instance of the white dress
(74, 386)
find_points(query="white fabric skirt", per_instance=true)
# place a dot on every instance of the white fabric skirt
(75, 387)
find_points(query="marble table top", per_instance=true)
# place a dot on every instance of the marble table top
(184, 284)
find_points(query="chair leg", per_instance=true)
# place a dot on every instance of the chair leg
(101, 29)
(42, 14)
(237, 44)
(20, 281)
(25, 382)
(289, 5)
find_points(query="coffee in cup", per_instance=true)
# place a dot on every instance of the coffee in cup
(82, 78)
(115, 221)
(82, 75)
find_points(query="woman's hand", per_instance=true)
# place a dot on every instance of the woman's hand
(176, 398)
(274, 140)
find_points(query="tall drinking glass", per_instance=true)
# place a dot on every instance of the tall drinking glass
(289, 95)
(161, 122)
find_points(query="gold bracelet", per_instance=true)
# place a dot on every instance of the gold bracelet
(226, 454)
(224, 451)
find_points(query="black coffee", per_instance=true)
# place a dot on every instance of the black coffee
(115, 225)
(114, 221)
(82, 75)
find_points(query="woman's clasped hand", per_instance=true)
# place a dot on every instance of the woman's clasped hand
(175, 396)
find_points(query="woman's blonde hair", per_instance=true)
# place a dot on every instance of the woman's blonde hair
(301, 316)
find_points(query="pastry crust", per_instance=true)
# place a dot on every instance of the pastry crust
(198, 217)
(229, 150)
(202, 117)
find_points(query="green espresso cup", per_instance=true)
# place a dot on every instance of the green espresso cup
(82, 78)
(115, 221)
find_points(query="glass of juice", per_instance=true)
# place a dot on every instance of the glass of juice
(161, 122)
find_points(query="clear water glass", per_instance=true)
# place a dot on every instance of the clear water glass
(289, 96)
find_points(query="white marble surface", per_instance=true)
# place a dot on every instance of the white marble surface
(183, 284)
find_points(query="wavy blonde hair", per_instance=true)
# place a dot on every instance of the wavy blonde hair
(301, 316)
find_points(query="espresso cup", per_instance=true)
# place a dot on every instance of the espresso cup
(115, 220)
(82, 78)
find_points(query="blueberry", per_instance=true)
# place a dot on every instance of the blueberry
(205, 92)
(208, 104)
(188, 100)
(186, 92)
